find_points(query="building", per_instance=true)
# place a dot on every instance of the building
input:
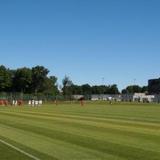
(127, 97)
(105, 97)
(154, 86)
(157, 98)
(138, 97)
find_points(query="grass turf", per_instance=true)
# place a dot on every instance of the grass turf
(97, 131)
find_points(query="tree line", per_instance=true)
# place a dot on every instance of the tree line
(28, 80)
(37, 80)
(135, 89)
(71, 89)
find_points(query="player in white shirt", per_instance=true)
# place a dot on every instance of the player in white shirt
(33, 103)
(29, 102)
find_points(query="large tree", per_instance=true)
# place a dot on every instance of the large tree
(113, 89)
(67, 86)
(5, 78)
(76, 90)
(134, 89)
(39, 75)
(22, 79)
(86, 89)
(50, 86)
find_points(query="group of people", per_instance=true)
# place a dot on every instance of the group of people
(4, 102)
(20, 102)
(34, 103)
(12, 103)
(17, 102)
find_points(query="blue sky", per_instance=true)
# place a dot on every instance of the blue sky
(84, 39)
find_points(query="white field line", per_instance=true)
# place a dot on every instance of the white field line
(19, 150)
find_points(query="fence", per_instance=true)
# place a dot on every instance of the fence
(39, 96)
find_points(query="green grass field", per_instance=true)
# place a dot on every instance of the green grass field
(70, 132)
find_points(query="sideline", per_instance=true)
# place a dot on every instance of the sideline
(19, 150)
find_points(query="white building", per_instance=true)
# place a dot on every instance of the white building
(138, 97)
(105, 97)
(157, 98)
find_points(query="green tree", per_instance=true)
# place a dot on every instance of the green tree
(76, 90)
(86, 89)
(113, 89)
(67, 86)
(132, 89)
(50, 86)
(39, 75)
(145, 89)
(22, 79)
(5, 78)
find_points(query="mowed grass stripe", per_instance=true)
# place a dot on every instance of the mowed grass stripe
(155, 131)
(134, 113)
(117, 136)
(110, 129)
(136, 133)
(139, 112)
(10, 154)
(98, 145)
(19, 150)
(15, 142)
(83, 141)
(109, 135)
(53, 147)
(95, 119)
(140, 116)
(89, 129)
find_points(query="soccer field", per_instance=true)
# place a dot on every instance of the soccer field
(71, 132)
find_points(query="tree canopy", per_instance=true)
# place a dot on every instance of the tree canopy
(5, 78)
(86, 89)
(37, 80)
(28, 80)
(135, 89)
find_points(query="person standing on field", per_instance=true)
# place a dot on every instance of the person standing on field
(29, 102)
(33, 103)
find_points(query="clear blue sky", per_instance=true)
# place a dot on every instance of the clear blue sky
(84, 39)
